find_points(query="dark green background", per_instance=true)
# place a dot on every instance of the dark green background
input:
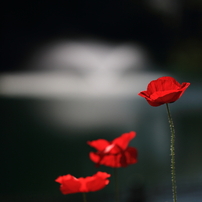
(33, 154)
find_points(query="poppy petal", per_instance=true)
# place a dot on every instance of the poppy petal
(99, 144)
(69, 184)
(124, 139)
(97, 181)
(131, 155)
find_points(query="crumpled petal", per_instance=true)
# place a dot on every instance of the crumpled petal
(124, 139)
(123, 159)
(99, 144)
(115, 153)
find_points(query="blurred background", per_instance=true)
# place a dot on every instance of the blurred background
(71, 71)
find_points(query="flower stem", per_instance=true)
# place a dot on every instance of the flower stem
(172, 150)
(84, 197)
(116, 184)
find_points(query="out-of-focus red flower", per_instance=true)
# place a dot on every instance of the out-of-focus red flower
(71, 184)
(114, 153)
(163, 90)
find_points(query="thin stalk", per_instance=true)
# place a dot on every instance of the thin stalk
(116, 184)
(84, 197)
(172, 150)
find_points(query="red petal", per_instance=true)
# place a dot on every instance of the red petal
(122, 159)
(143, 94)
(163, 84)
(111, 161)
(97, 181)
(131, 155)
(69, 184)
(124, 140)
(95, 157)
(107, 159)
(99, 144)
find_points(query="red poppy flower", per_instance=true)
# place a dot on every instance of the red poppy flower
(163, 90)
(71, 184)
(114, 153)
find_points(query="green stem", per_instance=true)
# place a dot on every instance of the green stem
(84, 197)
(172, 150)
(116, 184)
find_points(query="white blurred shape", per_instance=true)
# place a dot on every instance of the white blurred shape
(91, 56)
(88, 84)
(79, 70)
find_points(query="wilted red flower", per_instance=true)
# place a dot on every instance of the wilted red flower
(114, 153)
(163, 90)
(71, 184)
